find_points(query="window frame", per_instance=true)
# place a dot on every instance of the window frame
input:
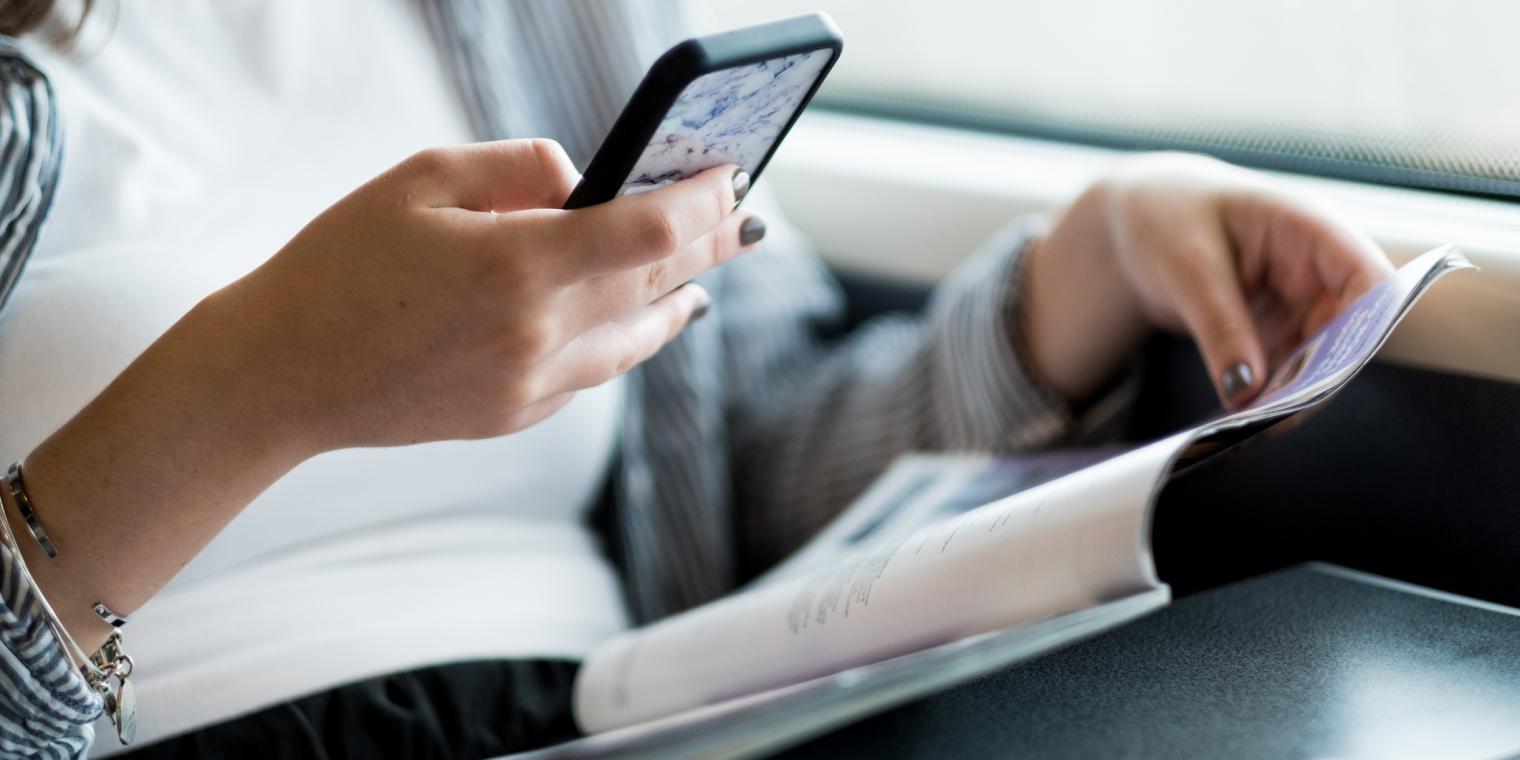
(864, 103)
(910, 201)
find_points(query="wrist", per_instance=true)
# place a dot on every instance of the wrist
(86, 627)
(1084, 319)
(134, 485)
(234, 374)
(202, 402)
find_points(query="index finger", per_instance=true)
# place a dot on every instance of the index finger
(1302, 250)
(637, 229)
(1353, 262)
(500, 176)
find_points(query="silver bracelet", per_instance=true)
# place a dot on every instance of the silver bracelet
(24, 506)
(98, 669)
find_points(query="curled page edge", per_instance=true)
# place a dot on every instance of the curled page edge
(1215, 436)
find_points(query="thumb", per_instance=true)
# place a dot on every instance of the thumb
(1221, 324)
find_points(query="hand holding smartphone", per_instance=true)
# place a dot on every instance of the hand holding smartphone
(724, 98)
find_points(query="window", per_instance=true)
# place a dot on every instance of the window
(1423, 93)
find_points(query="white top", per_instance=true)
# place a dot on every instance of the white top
(200, 137)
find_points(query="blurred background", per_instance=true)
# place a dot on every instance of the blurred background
(944, 119)
(1421, 93)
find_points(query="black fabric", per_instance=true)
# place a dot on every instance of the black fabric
(1407, 473)
(460, 710)
(868, 295)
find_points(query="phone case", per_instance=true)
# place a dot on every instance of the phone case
(795, 53)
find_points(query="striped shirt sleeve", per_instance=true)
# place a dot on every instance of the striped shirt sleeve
(814, 423)
(31, 151)
(46, 709)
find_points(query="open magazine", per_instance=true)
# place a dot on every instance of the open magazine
(948, 567)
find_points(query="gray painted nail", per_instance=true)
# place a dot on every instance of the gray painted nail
(741, 185)
(751, 231)
(704, 305)
(1236, 379)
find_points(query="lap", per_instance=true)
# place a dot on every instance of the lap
(460, 710)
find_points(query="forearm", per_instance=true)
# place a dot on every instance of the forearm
(137, 483)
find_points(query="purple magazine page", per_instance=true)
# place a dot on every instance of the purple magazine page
(1326, 362)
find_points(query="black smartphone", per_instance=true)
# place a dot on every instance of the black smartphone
(724, 98)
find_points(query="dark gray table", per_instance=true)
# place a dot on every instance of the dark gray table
(1313, 661)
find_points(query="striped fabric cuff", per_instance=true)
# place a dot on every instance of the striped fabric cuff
(1010, 408)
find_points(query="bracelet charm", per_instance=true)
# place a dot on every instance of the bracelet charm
(121, 704)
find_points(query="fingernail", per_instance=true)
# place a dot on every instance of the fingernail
(704, 305)
(1236, 379)
(741, 185)
(751, 231)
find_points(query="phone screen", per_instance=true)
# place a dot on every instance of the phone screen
(729, 116)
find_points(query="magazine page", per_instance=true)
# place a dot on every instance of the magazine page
(922, 488)
(1328, 360)
(1057, 548)
(1325, 362)
(907, 569)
